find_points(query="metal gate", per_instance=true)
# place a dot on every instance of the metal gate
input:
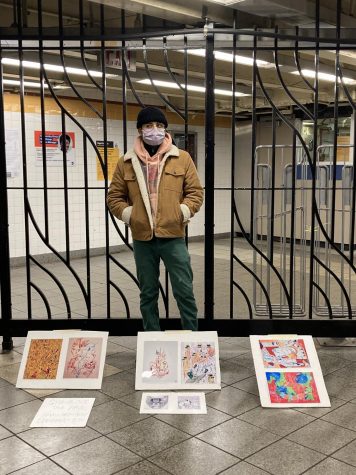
(286, 266)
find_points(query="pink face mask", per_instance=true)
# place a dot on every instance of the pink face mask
(153, 136)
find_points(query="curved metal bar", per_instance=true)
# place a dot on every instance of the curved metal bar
(342, 287)
(297, 63)
(82, 53)
(60, 286)
(171, 106)
(259, 281)
(84, 63)
(124, 239)
(164, 297)
(130, 274)
(56, 253)
(246, 298)
(124, 299)
(281, 80)
(75, 90)
(327, 301)
(345, 89)
(242, 229)
(128, 77)
(353, 201)
(57, 101)
(289, 124)
(45, 301)
(166, 62)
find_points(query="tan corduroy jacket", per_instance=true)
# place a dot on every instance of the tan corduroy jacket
(180, 195)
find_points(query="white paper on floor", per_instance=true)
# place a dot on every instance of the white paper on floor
(173, 403)
(288, 371)
(63, 412)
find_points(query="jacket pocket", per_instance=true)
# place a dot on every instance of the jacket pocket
(173, 179)
(131, 183)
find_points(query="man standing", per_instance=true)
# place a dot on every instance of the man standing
(156, 190)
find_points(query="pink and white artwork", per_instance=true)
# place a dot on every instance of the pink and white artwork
(83, 358)
(76, 359)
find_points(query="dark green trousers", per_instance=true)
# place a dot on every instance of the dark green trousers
(175, 256)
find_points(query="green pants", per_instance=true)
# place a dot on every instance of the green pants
(174, 254)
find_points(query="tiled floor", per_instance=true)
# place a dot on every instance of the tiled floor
(236, 436)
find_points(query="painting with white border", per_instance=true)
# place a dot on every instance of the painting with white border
(63, 360)
(177, 360)
(288, 371)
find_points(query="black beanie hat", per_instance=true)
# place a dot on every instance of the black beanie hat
(151, 114)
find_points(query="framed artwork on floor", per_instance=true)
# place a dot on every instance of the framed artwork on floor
(63, 360)
(177, 360)
(288, 371)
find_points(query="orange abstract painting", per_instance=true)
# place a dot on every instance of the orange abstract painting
(43, 359)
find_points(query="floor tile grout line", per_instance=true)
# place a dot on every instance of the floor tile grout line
(316, 450)
(328, 457)
(249, 463)
(156, 453)
(310, 422)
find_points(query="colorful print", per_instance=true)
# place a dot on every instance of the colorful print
(292, 387)
(83, 358)
(43, 359)
(157, 402)
(189, 402)
(284, 354)
(198, 363)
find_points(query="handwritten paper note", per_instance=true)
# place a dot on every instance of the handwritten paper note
(63, 412)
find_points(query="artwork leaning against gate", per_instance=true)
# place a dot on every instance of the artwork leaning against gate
(177, 360)
(288, 371)
(63, 360)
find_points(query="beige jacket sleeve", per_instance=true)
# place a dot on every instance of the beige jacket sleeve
(117, 198)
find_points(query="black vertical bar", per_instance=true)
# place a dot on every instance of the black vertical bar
(124, 96)
(25, 185)
(232, 197)
(65, 171)
(123, 81)
(209, 178)
(106, 184)
(273, 184)
(87, 224)
(292, 227)
(315, 145)
(65, 186)
(186, 118)
(336, 121)
(5, 277)
(353, 199)
(253, 139)
(43, 120)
